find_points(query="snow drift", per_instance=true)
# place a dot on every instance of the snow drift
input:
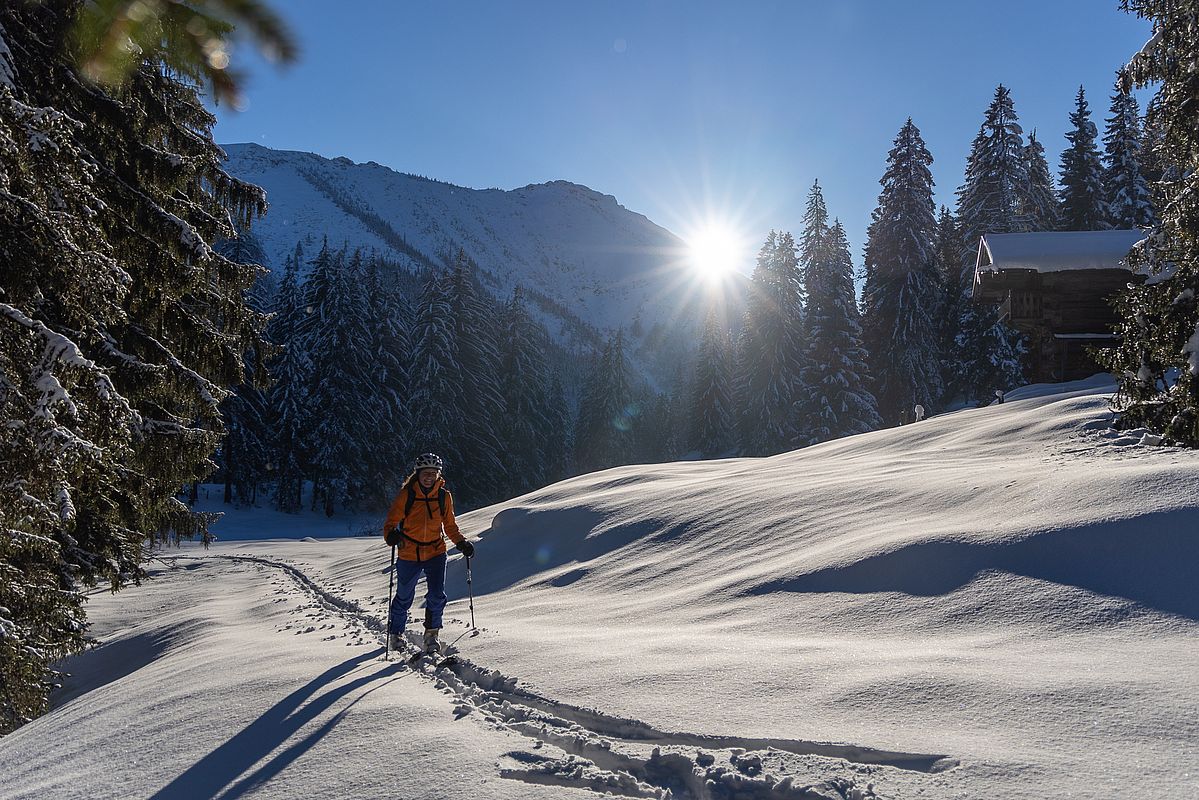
(992, 603)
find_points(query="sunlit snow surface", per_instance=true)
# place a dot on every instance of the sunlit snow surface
(992, 603)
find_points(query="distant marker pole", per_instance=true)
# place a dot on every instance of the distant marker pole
(390, 588)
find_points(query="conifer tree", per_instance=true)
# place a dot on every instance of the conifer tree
(559, 439)
(245, 454)
(1083, 206)
(603, 435)
(481, 475)
(390, 348)
(523, 423)
(437, 403)
(1125, 187)
(770, 358)
(342, 403)
(287, 398)
(120, 330)
(993, 197)
(711, 412)
(903, 291)
(1040, 207)
(1157, 360)
(956, 282)
(835, 401)
(813, 240)
(986, 353)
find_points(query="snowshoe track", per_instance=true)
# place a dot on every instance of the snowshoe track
(606, 754)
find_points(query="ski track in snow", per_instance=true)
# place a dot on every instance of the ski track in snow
(606, 754)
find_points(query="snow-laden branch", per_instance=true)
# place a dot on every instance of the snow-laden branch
(7, 72)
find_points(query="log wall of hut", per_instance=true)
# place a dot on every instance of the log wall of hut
(1062, 314)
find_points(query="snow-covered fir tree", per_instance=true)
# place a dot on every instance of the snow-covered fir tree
(479, 478)
(903, 291)
(120, 329)
(985, 353)
(559, 452)
(1040, 196)
(343, 405)
(712, 417)
(436, 401)
(956, 280)
(1083, 203)
(245, 456)
(813, 244)
(1124, 184)
(1157, 360)
(287, 397)
(525, 444)
(992, 198)
(390, 349)
(835, 398)
(770, 356)
(603, 433)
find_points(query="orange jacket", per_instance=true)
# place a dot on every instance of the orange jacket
(422, 526)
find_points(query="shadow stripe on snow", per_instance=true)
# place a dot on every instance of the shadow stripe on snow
(587, 736)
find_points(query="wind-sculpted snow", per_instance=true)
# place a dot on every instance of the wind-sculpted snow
(992, 603)
(591, 742)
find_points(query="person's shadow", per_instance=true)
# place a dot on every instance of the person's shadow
(222, 772)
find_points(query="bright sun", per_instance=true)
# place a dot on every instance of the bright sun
(714, 251)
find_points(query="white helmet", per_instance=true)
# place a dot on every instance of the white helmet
(428, 461)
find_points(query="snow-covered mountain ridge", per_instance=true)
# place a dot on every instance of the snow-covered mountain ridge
(994, 603)
(580, 255)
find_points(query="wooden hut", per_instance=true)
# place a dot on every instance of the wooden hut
(1057, 289)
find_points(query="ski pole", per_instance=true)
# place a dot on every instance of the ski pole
(471, 592)
(390, 588)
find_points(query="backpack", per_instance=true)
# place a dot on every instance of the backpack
(411, 501)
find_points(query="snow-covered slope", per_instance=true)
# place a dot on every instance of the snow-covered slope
(992, 603)
(580, 255)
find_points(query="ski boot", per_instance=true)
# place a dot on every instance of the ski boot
(432, 645)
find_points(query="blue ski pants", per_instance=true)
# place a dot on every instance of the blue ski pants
(407, 574)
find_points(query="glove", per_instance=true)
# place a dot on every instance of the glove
(466, 548)
(392, 536)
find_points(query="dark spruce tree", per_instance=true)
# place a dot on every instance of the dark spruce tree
(836, 401)
(287, 398)
(524, 436)
(986, 354)
(120, 330)
(437, 401)
(956, 283)
(770, 359)
(559, 440)
(711, 410)
(480, 477)
(603, 435)
(343, 406)
(1157, 360)
(385, 459)
(1124, 184)
(903, 291)
(245, 456)
(1040, 196)
(1083, 204)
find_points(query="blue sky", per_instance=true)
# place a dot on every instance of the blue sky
(685, 111)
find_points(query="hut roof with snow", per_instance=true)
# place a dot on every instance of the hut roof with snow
(1055, 251)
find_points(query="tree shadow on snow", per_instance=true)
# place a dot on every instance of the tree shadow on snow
(221, 773)
(110, 661)
(1149, 559)
(528, 542)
